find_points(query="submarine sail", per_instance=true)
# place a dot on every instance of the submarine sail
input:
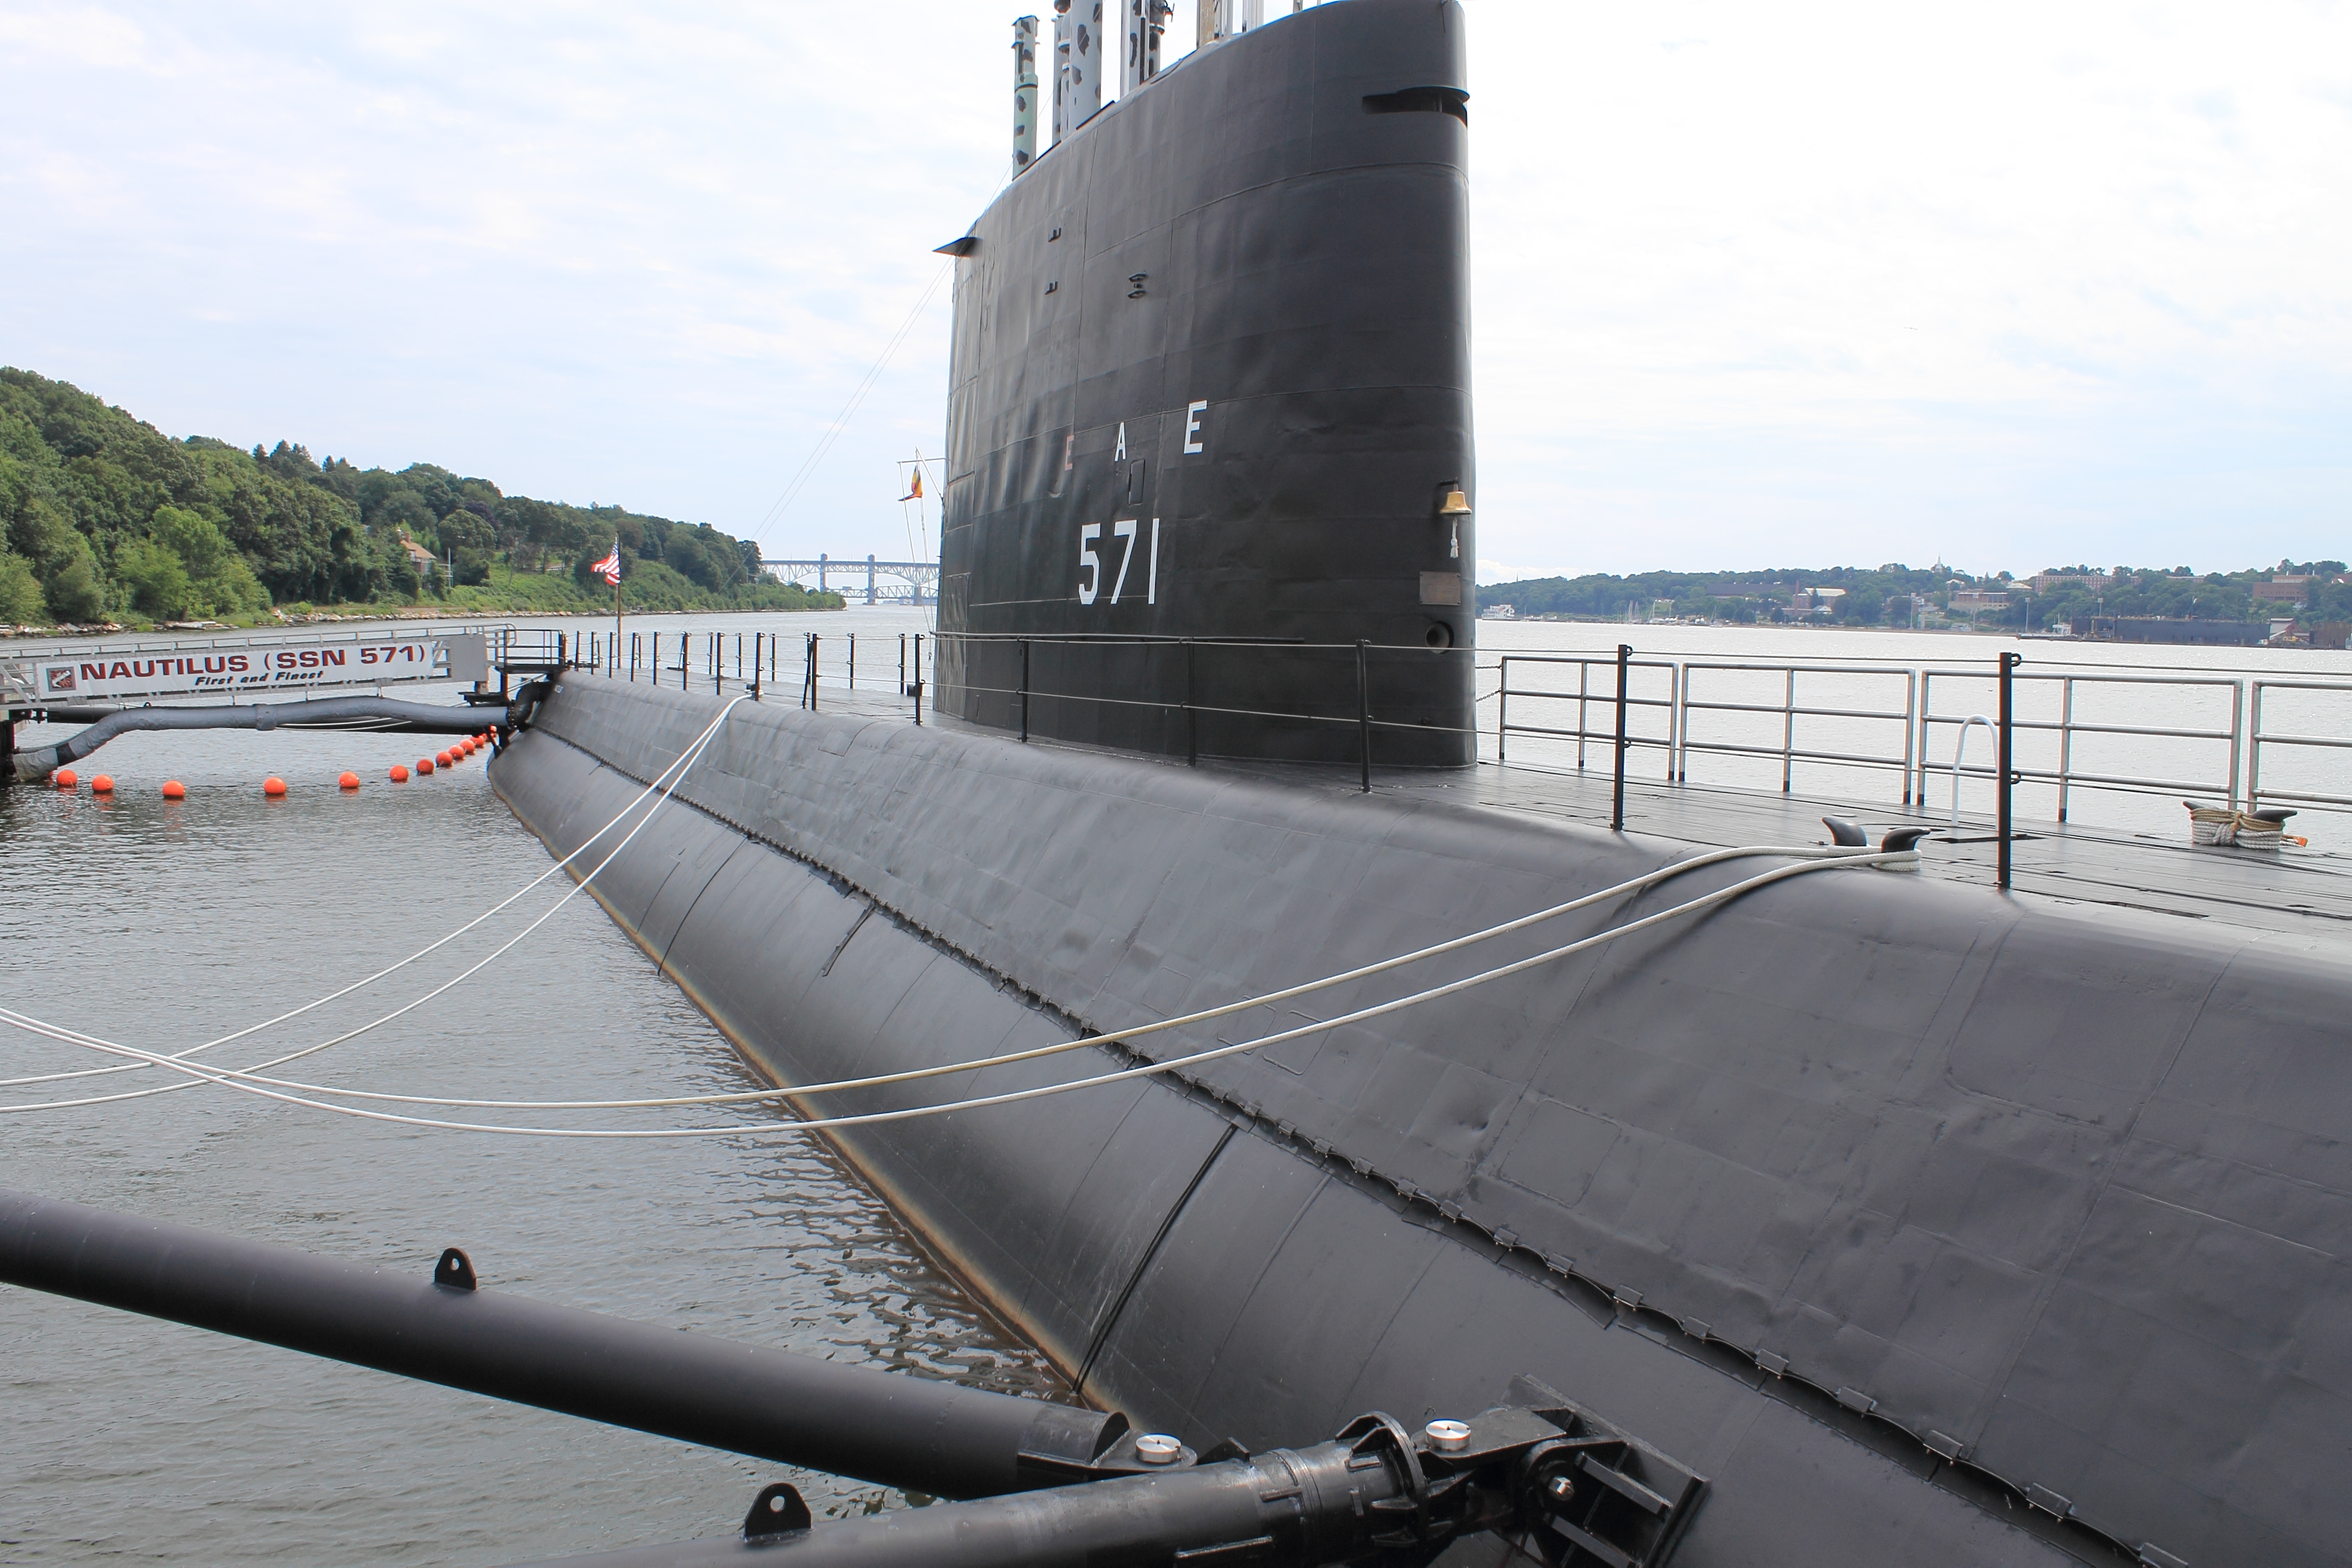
(1209, 422)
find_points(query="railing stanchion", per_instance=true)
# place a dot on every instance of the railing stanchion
(1503, 713)
(919, 673)
(1910, 702)
(813, 652)
(1789, 732)
(2065, 740)
(2253, 752)
(1677, 714)
(2237, 714)
(1617, 789)
(1919, 756)
(853, 661)
(1364, 708)
(2008, 662)
(1678, 727)
(1024, 692)
(756, 637)
(1192, 716)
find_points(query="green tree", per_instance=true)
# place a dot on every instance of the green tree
(72, 591)
(156, 578)
(20, 592)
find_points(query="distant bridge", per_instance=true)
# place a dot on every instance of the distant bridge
(913, 577)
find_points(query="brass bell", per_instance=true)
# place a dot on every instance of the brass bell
(1456, 504)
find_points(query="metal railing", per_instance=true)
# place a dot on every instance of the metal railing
(1914, 730)
(2065, 777)
(2256, 739)
(1189, 706)
(1679, 706)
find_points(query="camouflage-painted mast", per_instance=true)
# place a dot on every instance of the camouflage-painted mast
(1077, 52)
(1025, 92)
(1225, 18)
(1141, 25)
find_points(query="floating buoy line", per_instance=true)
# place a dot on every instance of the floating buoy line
(253, 1080)
(663, 782)
(66, 781)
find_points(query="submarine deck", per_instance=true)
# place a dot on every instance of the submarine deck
(2303, 890)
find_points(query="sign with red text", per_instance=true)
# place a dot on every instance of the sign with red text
(241, 670)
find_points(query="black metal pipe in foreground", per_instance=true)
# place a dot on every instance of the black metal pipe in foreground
(879, 1427)
(1303, 1506)
(382, 714)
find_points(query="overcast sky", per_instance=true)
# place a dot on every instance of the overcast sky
(1802, 284)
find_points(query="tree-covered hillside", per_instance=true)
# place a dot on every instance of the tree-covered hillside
(1887, 596)
(103, 517)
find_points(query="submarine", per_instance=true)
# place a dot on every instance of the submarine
(1889, 1220)
(1923, 1222)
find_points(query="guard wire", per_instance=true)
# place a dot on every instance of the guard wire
(1148, 1070)
(747, 1097)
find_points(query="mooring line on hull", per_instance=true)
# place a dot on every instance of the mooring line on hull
(1149, 1069)
(750, 1097)
(674, 773)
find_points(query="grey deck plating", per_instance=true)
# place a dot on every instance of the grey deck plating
(2059, 1189)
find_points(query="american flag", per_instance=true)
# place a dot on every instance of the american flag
(610, 567)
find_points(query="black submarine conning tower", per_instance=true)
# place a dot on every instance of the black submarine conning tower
(1209, 470)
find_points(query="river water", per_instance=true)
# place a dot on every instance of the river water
(160, 925)
(164, 924)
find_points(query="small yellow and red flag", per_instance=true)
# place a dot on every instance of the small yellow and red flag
(917, 493)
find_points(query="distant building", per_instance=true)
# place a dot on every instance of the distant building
(1976, 601)
(2044, 582)
(421, 558)
(2285, 590)
(1815, 601)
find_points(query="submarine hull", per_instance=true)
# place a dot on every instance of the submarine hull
(1857, 1176)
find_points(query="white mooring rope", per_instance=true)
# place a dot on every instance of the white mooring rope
(1812, 859)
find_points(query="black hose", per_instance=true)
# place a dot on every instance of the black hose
(382, 714)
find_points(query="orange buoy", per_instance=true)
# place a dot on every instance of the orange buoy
(102, 785)
(399, 773)
(471, 745)
(64, 778)
(349, 780)
(174, 790)
(423, 766)
(273, 786)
